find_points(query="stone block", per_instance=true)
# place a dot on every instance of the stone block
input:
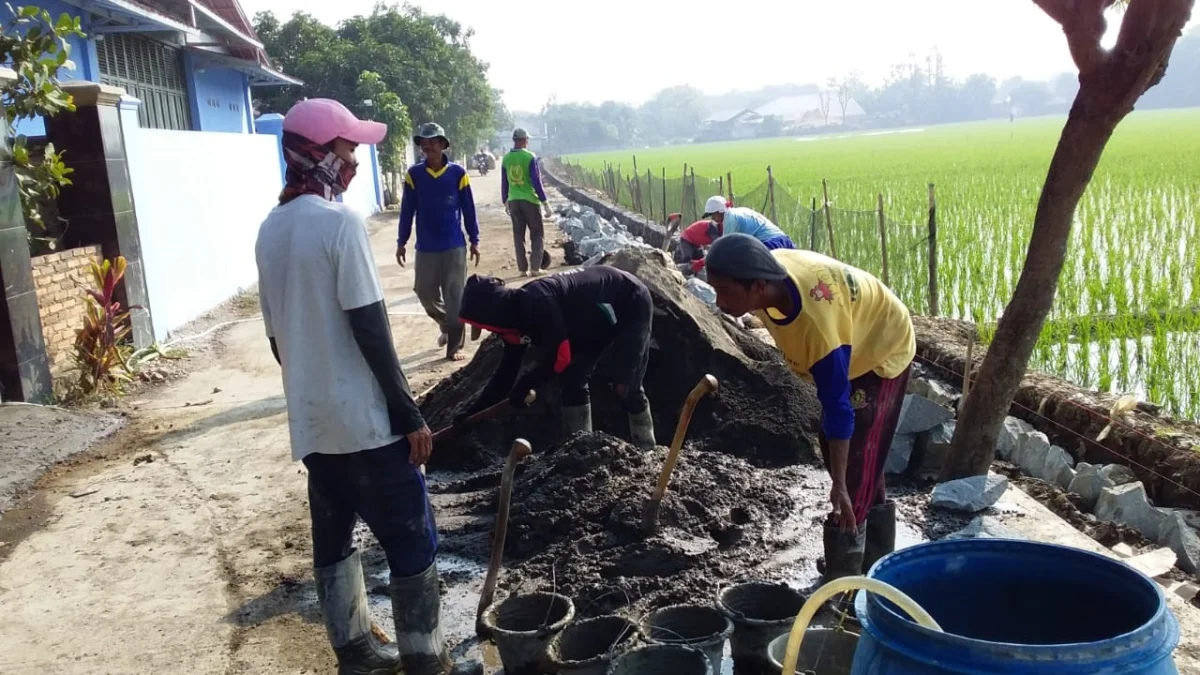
(1010, 437)
(933, 448)
(1065, 477)
(1128, 504)
(969, 495)
(1031, 451)
(1184, 541)
(899, 454)
(1052, 463)
(1119, 474)
(939, 393)
(919, 414)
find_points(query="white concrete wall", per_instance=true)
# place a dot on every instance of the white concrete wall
(199, 199)
(361, 195)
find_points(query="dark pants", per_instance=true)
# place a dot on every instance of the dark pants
(527, 216)
(630, 349)
(781, 241)
(686, 252)
(387, 492)
(877, 403)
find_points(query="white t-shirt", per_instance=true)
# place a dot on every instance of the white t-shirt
(314, 264)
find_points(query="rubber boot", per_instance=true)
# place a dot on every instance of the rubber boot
(641, 429)
(881, 534)
(843, 553)
(343, 600)
(417, 608)
(577, 418)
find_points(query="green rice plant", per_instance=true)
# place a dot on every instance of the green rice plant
(1123, 318)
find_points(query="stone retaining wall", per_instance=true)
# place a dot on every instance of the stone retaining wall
(652, 233)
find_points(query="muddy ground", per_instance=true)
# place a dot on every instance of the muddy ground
(184, 537)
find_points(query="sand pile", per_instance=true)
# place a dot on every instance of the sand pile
(762, 412)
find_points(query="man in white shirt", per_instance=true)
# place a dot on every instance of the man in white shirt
(351, 415)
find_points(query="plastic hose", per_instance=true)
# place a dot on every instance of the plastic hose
(818, 598)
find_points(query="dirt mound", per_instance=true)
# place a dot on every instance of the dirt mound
(762, 412)
(576, 520)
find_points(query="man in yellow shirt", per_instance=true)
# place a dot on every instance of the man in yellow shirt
(844, 331)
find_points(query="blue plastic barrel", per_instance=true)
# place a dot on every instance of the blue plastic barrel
(1015, 607)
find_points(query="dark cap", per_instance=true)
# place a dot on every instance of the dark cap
(741, 256)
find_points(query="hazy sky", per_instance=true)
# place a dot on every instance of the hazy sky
(627, 49)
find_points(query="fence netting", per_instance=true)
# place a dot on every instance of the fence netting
(850, 235)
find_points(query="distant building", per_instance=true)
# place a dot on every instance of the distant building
(732, 125)
(786, 114)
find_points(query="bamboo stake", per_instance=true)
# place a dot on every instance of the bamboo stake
(771, 195)
(883, 239)
(933, 254)
(829, 219)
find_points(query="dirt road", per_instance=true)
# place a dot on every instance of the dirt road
(182, 542)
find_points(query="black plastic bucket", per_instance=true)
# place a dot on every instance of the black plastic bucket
(661, 660)
(587, 647)
(824, 651)
(522, 627)
(760, 613)
(698, 626)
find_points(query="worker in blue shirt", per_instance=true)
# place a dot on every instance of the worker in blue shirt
(437, 192)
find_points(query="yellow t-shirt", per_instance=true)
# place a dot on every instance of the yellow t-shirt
(841, 305)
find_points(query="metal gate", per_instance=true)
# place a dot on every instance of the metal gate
(150, 71)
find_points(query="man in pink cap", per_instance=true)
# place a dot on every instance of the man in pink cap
(351, 415)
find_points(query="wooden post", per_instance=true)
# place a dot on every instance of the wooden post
(771, 195)
(637, 193)
(720, 185)
(664, 194)
(729, 181)
(970, 365)
(883, 239)
(933, 260)
(683, 194)
(829, 219)
(649, 213)
(812, 226)
(692, 189)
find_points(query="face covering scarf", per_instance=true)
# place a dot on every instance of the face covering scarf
(313, 169)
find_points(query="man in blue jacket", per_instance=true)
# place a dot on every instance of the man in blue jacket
(437, 192)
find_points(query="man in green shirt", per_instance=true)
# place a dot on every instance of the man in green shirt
(521, 191)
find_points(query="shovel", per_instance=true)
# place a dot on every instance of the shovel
(520, 450)
(481, 416)
(706, 386)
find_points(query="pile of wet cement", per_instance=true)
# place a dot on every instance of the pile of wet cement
(576, 517)
(762, 411)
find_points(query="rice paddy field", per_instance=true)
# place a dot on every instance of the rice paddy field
(1127, 312)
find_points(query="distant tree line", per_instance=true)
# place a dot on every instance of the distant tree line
(917, 91)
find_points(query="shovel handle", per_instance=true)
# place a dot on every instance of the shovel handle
(520, 450)
(707, 385)
(485, 414)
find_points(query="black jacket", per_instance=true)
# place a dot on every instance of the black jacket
(565, 314)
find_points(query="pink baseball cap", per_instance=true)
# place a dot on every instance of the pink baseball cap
(321, 120)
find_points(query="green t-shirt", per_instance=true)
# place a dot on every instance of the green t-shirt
(516, 169)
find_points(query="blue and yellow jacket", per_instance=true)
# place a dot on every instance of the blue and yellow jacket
(442, 203)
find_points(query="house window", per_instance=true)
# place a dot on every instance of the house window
(150, 71)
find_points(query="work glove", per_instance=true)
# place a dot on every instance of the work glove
(546, 210)
(507, 209)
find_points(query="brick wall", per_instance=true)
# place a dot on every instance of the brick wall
(60, 279)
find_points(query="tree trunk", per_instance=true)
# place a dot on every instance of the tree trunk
(1107, 93)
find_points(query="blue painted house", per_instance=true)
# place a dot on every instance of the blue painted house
(192, 63)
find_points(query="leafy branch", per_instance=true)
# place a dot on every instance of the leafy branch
(35, 46)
